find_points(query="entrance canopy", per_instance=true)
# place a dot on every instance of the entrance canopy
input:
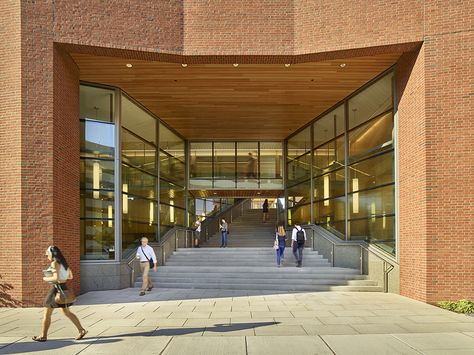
(235, 101)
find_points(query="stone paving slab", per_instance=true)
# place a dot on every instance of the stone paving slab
(216, 322)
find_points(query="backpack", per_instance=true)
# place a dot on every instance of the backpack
(300, 236)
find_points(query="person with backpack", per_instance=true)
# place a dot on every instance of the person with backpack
(298, 238)
(279, 245)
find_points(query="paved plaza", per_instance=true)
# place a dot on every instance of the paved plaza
(207, 322)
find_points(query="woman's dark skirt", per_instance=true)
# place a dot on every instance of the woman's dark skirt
(49, 301)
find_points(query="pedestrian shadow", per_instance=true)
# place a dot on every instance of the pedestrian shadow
(217, 328)
(54, 344)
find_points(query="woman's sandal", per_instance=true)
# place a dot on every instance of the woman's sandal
(39, 338)
(81, 335)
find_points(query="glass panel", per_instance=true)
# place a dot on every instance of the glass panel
(330, 214)
(300, 168)
(171, 168)
(247, 160)
(299, 194)
(137, 209)
(379, 231)
(171, 215)
(329, 185)
(97, 242)
(97, 174)
(271, 160)
(172, 194)
(138, 120)
(97, 140)
(329, 126)
(137, 152)
(299, 215)
(200, 183)
(371, 102)
(371, 138)
(132, 232)
(200, 160)
(138, 183)
(96, 103)
(97, 204)
(224, 161)
(171, 143)
(329, 156)
(371, 172)
(371, 203)
(271, 183)
(299, 143)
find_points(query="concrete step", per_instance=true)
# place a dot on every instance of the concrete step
(258, 276)
(264, 282)
(273, 287)
(313, 263)
(252, 270)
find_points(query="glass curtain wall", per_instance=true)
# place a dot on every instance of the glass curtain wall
(351, 164)
(97, 186)
(172, 180)
(151, 160)
(240, 165)
(299, 177)
(139, 174)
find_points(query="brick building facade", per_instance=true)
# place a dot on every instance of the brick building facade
(39, 127)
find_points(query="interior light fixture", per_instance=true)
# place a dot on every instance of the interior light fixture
(184, 65)
(326, 189)
(125, 199)
(287, 65)
(109, 215)
(355, 196)
(96, 180)
(152, 212)
(128, 65)
(235, 65)
(171, 211)
(342, 65)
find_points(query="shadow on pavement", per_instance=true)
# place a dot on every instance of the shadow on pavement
(53, 344)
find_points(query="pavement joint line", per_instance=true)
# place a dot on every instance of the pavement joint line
(88, 315)
(136, 325)
(407, 344)
(14, 320)
(126, 317)
(324, 341)
(166, 346)
(9, 330)
(95, 323)
(119, 309)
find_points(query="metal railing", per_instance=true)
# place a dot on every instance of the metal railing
(388, 266)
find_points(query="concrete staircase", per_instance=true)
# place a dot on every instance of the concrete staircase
(248, 231)
(249, 263)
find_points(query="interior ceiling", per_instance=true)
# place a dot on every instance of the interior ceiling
(220, 101)
(237, 193)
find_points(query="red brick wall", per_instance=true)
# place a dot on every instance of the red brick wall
(412, 192)
(66, 165)
(10, 153)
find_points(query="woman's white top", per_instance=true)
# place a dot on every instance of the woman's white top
(63, 274)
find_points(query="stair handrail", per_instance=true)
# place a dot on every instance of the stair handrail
(388, 266)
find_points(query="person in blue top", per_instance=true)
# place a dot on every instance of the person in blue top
(280, 242)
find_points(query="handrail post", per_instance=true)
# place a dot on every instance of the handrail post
(385, 277)
(192, 238)
(361, 261)
(175, 240)
(163, 254)
(185, 242)
(312, 239)
(332, 255)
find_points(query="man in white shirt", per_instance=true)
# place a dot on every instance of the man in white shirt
(298, 238)
(145, 253)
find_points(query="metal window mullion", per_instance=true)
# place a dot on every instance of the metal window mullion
(285, 178)
(395, 165)
(311, 184)
(118, 175)
(186, 182)
(346, 168)
(158, 180)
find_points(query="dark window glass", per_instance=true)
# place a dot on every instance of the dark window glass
(329, 156)
(138, 183)
(299, 169)
(97, 242)
(299, 143)
(371, 172)
(138, 152)
(329, 126)
(96, 103)
(329, 185)
(370, 203)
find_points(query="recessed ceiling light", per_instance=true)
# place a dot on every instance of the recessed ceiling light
(128, 65)
(184, 65)
(235, 65)
(287, 65)
(215, 193)
(342, 65)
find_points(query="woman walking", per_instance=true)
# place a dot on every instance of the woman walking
(57, 274)
(280, 241)
(224, 227)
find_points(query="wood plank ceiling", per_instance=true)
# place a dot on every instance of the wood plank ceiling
(220, 101)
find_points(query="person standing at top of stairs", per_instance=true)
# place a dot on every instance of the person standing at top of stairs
(224, 228)
(265, 210)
